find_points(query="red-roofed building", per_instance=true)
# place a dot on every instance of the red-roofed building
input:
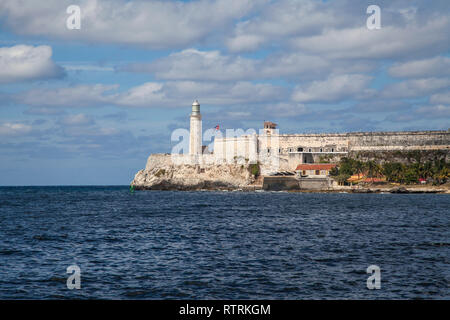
(374, 180)
(313, 169)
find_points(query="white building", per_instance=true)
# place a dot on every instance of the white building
(286, 151)
(195, 138)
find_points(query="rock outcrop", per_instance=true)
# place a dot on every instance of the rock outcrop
(161, 173)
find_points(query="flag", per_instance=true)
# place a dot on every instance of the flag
(217, 127)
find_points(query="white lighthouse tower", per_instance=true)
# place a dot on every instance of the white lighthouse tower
(195, 139)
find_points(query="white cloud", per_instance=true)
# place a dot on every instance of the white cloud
(23, 62)
(87, 67)
(244, 42)
(145, 95)
(80, 119)
(335, 88)
(438, 111)
(286, 110)
(282, 19)
(441, 98)
(156, 24)
(216, 93)
(431, 67)
(76, 96)
(152, 94)
(193, 64)
(14, 129)
(388, 42)
(415, 88)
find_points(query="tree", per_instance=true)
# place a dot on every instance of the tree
(372, 169)
(393, 171)
(427, 170)
(411, 175)
(345, 166)
(358, 167)
(334, 171)
(342, 178)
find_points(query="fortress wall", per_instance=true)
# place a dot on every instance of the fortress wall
(230, 148)
(343, 142)
(384, 141)
(338, 142)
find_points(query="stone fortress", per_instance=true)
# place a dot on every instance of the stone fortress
(228, 163)
(293, 149)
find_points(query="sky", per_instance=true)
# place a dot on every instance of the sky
(87, 106)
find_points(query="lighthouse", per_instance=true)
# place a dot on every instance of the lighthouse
(195, 139)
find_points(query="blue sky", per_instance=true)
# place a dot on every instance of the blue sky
(88, 106)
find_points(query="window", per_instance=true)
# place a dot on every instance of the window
(268, 150)
(309, 150)
(290, 149)
(279, 150)
(321, 149)
(299, 149)
(332, 149)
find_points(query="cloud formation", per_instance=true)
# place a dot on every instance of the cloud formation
(150, 94)
(153, 24)
(14, 129)
(333, 89)
(23, 62)
(194, 64)
(430, 67)
(415, 88)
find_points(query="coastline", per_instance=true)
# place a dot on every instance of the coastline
(406, 189)
(162, 173)
(392, 189)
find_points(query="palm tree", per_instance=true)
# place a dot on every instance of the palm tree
(371, 169)
(359, 167)
(427, 170)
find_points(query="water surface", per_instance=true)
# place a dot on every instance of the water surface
(221, 245)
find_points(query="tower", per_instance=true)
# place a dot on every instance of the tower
(195, 138)
(269, 127)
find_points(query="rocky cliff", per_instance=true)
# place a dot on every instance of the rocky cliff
(161, 173)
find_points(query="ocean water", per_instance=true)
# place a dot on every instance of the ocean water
(221, 245)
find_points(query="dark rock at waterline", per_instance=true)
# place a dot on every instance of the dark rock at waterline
(170, 186)
(399, 190)
(362, 191)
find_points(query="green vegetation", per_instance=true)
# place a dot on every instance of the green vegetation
(437, 171)
(254, 169)
(324, 159)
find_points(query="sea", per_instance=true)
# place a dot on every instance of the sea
(116, 244)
